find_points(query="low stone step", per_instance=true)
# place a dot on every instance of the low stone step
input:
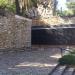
(63, 70)
(73, 73)
(57, 70)
(53, 70)
(68, 71)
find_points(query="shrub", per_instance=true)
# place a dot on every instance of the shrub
(5, 4)
(11, 7)
(67, 60)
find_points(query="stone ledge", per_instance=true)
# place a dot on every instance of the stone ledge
(22, 18)
(15, 49)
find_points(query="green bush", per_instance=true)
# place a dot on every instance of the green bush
(67, 60)
(11, 7)
(4, 4)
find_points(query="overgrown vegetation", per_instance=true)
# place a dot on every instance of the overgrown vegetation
(17, 6)
(11, 7)
(66, 13)
(24, 7)
(70, 10)
(5, 4)
(68, 59)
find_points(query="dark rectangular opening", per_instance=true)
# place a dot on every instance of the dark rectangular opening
(53, 36)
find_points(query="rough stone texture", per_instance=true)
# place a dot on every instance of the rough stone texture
(29, 62)
(15, 32)
(44, 9)
(54, 20)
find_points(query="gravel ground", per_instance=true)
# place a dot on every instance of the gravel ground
(28, 62)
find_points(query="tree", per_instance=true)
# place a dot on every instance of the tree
(55, 6)
(24, 5)
(71, 6)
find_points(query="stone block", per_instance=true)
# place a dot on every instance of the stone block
(15, 31)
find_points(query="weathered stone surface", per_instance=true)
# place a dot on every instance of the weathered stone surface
(53, 20)
(15, 32)
(44, 9)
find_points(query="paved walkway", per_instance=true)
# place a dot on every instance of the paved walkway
(28, 62)
(63, 70)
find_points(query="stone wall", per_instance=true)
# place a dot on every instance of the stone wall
(49, 47)
(15, 32)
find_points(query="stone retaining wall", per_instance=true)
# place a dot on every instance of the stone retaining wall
(51, 47)
(15, 32)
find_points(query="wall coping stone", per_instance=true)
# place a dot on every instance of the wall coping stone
(22, 18)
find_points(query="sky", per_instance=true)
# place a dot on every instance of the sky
(62, 3)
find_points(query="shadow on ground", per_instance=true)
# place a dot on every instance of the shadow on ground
(29, 62)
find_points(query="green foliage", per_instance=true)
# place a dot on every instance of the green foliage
(60, 13)
(66, 13)
(67, 60)
(11, 7)
(71, 5)
(4, 4)
(69, 12)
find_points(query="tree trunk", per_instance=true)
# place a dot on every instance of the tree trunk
(17, 7)
(54, 7)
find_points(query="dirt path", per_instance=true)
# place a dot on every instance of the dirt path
(28, 62)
